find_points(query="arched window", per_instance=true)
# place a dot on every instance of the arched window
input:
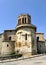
(37, 38)
(25, 36)
(10, 38)
(23, 20)
(7, 45)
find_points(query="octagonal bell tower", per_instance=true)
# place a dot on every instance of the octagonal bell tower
(24, 19)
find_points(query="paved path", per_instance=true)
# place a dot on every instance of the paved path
(31, 61)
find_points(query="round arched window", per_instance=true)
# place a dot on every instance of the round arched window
(10, 38)
(7, 45)
(25, 36)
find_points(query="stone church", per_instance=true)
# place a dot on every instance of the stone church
(24, 38)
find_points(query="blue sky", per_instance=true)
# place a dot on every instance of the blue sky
(10, 9)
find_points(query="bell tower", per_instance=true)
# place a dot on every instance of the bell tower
(24, 19)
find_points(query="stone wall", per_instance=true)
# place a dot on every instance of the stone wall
(25, 46)
(41, 36)
(8, 34)
(41, 47)
(1, 39)
(7, 48)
